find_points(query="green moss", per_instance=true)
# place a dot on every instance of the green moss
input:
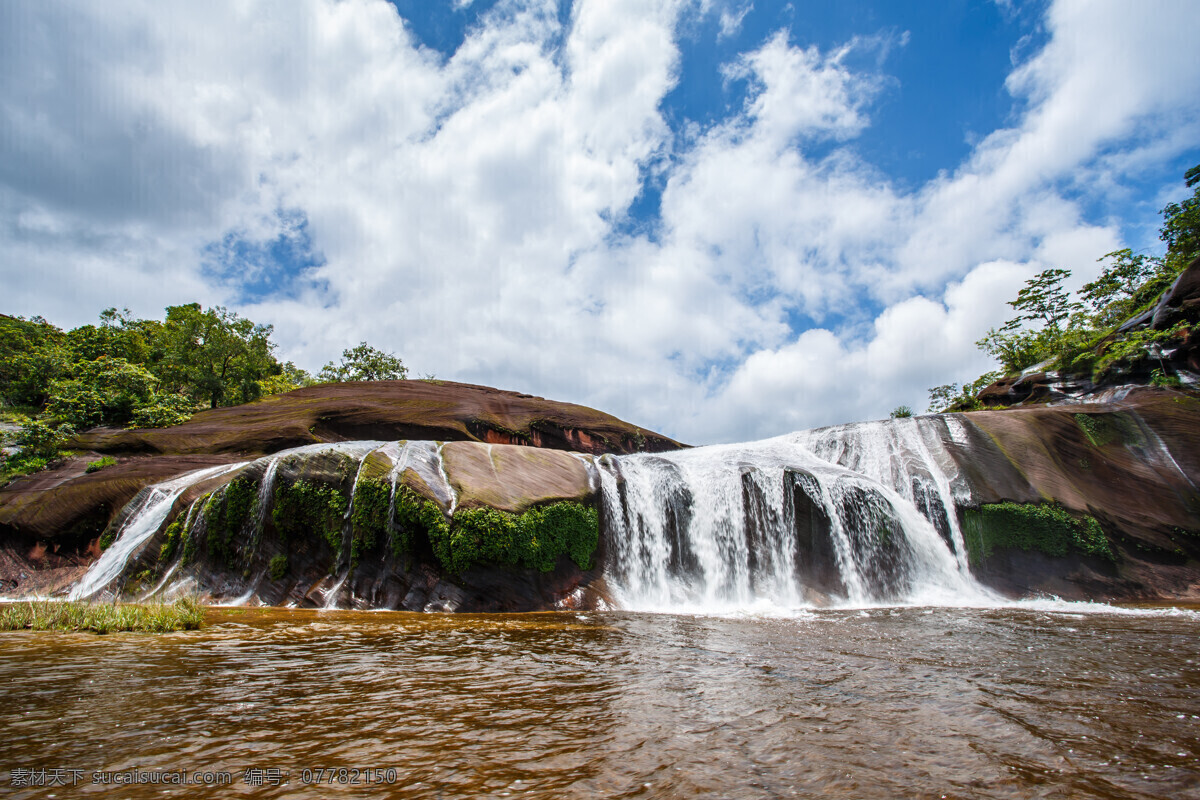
(107, 538)
(369, 519)
(170, 543)
(227, 514)
(1047, 528)
(304, 508)
(278, 566)
(1098, 429)
(96, 466)
(1104, 429)
(535, 539)
(416, 517)
(543, 534)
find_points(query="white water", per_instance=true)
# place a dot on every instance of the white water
(854, 515)
(140, 526)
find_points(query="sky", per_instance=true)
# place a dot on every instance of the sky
(719, 219)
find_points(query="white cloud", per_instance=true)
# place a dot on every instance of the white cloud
(469, 207)
(730, 20)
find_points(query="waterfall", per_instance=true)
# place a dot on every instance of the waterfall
(857, 514)
(146, 519)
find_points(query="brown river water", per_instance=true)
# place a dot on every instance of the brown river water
(882, 703)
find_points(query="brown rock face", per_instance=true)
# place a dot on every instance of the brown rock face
(388, 411)
(1133, 466)
(513, 478)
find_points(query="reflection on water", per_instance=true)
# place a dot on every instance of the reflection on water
(884, 703)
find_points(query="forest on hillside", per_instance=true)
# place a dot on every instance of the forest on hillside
(146, 373)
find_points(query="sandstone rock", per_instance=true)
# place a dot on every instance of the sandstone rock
(389, 411)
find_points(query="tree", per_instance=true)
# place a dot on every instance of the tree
(32, 355)
(290, 377)
(1181, 224)
(215, 355)
(364, 363)
(942, 397)
(1113, 295)
(1043, 301)
(105, 391)
(901, 412)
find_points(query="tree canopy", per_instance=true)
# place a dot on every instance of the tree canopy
(364, 363)
(149, 373)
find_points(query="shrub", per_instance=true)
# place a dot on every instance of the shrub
(104, 391)
(901, 412)
(96, 466)
(278, 566)
(39, 439)
(163, 411)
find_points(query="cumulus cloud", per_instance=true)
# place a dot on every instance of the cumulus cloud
(468, 210)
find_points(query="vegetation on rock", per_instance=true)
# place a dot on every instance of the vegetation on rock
(534, 539)
(278, 566)
(171, 538)
(369, 519)
(1095, 335)
(304, 506)
(1046, 528)
(364, 363)
(415, 517)
(99, 464)
(226, 515)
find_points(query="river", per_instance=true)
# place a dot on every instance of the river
(905, 702)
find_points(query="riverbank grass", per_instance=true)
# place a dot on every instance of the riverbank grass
(42, 615)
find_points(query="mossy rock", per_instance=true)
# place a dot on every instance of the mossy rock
(534, 539)
(306, 509)
(1045, 528)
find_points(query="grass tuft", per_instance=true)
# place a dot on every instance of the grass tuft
(43, 615)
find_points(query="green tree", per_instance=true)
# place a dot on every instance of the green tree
(364, 363)
(901, 412)
(1045, 302)
(118, 335)
(215, 356)
(1113, 295)
(33, 353)
(105, 391)
(942, 397)
(1181, 224)
(290, 377)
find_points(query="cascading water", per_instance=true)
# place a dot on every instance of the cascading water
(860, 514)
(141, 525)
(854, 515)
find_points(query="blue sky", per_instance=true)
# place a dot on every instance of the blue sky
(717, 218)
